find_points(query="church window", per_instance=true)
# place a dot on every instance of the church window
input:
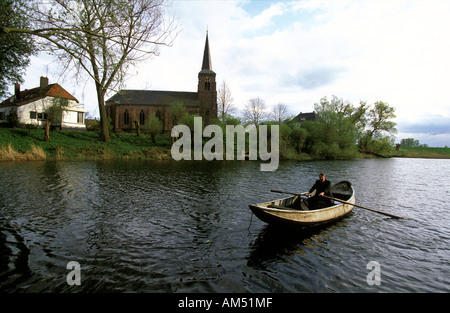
(126, 117)
(207, 84)
(142, 117)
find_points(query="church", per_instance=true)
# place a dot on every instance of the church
(127, 106)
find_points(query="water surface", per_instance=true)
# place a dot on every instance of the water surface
(171, 226)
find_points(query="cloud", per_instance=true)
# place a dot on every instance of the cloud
(312, 78)
(265, 18)
(431, 129)
(430, 124)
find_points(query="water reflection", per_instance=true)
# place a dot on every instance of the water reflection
(275, 243)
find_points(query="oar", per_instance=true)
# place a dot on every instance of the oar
(363, 207)
(289, 193)
(359, 206)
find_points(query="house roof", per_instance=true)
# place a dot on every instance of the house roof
(34, 94)
(154, 97)
(306, 117)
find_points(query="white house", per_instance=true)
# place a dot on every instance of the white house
(31, 105)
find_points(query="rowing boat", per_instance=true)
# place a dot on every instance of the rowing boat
(294, 211)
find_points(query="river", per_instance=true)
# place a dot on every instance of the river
(167, 226)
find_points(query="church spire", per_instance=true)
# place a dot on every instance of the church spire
(207, 65)
(207, 89)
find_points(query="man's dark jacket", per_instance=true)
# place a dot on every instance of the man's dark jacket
(322, 187)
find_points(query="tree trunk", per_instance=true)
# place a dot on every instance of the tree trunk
(47, 130)
(138, 128)
(104, 130)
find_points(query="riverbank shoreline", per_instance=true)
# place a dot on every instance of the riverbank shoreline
(28, 145)
(18, 144)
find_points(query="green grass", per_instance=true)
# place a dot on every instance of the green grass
(22, 144)
(421, 152)
(74, 145)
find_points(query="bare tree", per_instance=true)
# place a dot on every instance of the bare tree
(254, 111)
(99, 38)
(225, 102)
(279, 112)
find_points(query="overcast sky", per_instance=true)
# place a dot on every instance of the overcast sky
(297, 52)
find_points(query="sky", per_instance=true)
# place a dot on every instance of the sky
(297, 52)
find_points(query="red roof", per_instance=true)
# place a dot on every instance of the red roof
(31, 95)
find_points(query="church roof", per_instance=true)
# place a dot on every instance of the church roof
(154, 97)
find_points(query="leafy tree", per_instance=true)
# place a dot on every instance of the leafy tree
(410, 143)
(380, 120)
(54, 114)
(153, 126)
(298, 136)
(188, 120)
(378, 138)
(333, 135)
(15, 48)
(177, 111)
(356, 115)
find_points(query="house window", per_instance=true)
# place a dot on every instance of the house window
(126, 117)
(33, 115)
(2, 115)
(80, 119)
(142, 117)
(42, 116)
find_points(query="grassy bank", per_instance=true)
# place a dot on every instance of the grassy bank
(420, 152)
(21, 144)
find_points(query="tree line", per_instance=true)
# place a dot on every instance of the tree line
(341, 130)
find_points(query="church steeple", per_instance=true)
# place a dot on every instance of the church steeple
(206, 65)
(207, 93)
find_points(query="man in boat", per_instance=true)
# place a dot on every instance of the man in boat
(322, 187)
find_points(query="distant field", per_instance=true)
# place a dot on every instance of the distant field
(436, 153)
